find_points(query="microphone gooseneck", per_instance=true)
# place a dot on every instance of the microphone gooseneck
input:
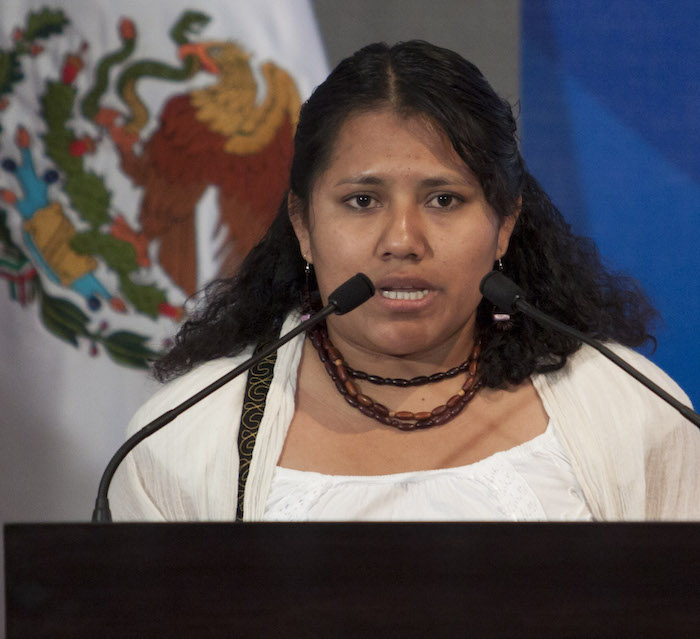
(509, 297)
(348, 296)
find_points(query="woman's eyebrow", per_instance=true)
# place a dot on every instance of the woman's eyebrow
(439, 180)
(447, 180)
(361, 179)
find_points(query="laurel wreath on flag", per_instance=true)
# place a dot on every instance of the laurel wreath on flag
(61, 240)
(61, 316)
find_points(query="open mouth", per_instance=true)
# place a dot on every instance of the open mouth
(404, 294)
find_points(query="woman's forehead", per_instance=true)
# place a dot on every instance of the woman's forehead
(370, 141)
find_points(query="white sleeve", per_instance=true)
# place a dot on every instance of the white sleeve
(187, 470)
(636, 457)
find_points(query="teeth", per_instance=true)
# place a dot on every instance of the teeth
(405, 295)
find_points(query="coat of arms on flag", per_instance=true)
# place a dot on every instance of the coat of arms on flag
(104, 269)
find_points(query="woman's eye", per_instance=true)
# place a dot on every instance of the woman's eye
(361, 201)
(443, 201)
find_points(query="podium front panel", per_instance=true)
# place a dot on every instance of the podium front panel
(339, 579)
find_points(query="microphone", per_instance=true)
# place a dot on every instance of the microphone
(509, 297)
(348, 296)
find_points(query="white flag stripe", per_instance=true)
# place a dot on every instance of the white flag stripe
(64, 409)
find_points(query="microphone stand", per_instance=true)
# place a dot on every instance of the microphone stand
(507, 295)
(338, 303)
(549, 322)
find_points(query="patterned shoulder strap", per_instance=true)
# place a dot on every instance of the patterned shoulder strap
(259, 380)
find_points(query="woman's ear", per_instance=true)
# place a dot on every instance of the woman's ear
(506, 229)
(300, 225)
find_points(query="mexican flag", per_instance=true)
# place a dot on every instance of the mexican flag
(144, 147)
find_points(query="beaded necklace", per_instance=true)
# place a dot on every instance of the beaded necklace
(341, 374)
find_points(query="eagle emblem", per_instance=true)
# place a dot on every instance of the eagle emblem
(110, 270)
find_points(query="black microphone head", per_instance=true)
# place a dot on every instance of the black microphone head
(349, 295)
(500, 291)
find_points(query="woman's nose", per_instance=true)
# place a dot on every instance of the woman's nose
(403, 235)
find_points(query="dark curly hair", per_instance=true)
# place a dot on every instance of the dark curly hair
(560, 273)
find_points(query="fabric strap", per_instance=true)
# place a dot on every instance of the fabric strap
(257, 386)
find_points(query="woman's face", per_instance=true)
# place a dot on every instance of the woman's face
(397, 203)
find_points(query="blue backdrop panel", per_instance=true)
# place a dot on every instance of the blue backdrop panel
(611, 128)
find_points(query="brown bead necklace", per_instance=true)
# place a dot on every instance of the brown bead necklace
(340, 374)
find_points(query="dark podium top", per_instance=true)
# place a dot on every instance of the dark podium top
(350, 580)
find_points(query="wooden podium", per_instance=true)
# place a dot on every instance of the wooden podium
(352, 580)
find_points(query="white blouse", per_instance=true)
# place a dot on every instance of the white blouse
(634, 457)
(530, 482)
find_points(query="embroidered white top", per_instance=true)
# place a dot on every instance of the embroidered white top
(531, 482)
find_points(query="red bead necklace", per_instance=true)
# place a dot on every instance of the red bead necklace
(340, 373)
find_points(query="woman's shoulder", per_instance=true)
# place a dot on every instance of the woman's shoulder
(179, 389)
(588, 368)
(591, 389)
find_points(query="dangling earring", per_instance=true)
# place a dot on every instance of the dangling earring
(501, 321)
(306, 300)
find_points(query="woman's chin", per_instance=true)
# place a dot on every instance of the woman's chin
(405, 337)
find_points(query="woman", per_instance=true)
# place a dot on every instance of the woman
(423, 403)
